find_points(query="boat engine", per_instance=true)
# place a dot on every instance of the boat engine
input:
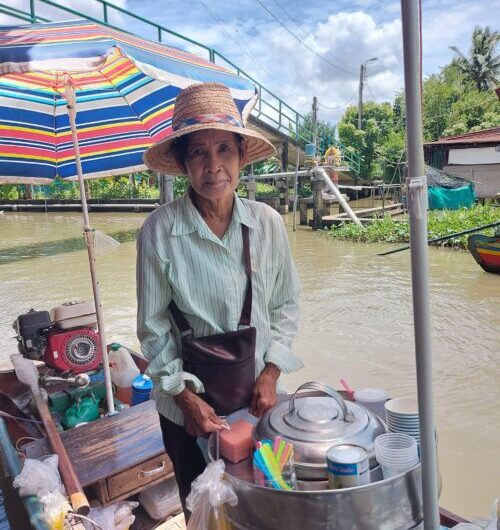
(66, 339)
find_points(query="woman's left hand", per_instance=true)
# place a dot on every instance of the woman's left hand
(264, 390)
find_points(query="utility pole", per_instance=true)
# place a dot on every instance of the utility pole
(362, 78)
(315, 120)
(360, 94)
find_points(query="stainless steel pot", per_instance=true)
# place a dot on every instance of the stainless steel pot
(390, 504)
(314, 423)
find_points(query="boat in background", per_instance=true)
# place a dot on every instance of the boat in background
(486, 251)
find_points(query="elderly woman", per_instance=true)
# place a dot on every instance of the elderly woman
(216, 284)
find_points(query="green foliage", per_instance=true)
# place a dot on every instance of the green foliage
(266, 190)
(392, 156)
(181, 184)
(474, 111)
(379, 121)
(440, 223)
(482, 64)
(9, 192)
(58, 189)
(271, 165)
(438, 97)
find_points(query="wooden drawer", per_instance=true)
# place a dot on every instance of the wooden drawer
(137, 477)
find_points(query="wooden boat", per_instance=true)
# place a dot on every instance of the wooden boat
(125, 445)
(486, 251)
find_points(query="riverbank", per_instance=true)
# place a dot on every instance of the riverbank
(440, 223)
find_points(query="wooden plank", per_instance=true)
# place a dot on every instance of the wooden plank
(110, 445)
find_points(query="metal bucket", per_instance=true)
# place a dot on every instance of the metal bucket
(390, 504)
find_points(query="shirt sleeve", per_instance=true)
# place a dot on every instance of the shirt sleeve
(284, 310)
(154, 329)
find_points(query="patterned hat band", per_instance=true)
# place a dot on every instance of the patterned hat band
(209, 118)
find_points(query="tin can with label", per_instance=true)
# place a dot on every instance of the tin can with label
(347, 466)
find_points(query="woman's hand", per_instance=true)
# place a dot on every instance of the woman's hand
(199, 417)
(264, 390)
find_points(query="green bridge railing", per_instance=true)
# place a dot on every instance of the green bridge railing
(270, 108)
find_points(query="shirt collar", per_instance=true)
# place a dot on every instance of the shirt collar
(189, 219)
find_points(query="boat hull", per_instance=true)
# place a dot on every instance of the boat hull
(486, 251)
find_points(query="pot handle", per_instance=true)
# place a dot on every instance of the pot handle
(327, 390)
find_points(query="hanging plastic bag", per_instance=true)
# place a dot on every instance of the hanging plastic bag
(39, 477)
(209, 492)
(117, 516)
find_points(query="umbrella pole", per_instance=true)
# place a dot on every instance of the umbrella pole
(88, 233)
(417, 206)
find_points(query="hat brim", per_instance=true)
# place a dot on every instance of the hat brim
(161, 158)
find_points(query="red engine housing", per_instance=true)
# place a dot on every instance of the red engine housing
(77, 350)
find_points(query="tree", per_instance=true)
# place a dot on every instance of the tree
(482, 65)
(378, 121)
(472, 112)
(440, 92)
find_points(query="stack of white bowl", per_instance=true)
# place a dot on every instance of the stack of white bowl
(401, 416)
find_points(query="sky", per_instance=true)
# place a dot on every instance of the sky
(299, 49)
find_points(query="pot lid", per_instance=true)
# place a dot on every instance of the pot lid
(314, 423)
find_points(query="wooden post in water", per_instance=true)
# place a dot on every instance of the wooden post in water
(303, 211)
(282, 186)
(318, 186)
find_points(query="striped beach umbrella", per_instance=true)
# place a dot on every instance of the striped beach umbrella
(79, 100)
(124, 86)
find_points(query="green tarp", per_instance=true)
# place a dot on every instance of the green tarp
(451, 198)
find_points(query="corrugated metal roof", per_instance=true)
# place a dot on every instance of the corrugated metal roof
(485, 136)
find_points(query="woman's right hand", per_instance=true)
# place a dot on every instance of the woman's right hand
(200, 418)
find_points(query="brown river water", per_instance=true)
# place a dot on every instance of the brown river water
(356, 322)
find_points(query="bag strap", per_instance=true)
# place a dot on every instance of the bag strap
(246, 312)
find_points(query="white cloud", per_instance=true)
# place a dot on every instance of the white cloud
(361, 29)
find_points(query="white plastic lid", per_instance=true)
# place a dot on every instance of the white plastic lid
(370, 395)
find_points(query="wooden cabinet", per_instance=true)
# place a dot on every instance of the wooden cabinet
(116, 456)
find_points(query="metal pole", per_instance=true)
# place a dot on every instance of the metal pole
(315, 120)
(417, 206)
(88, 233)
(360, 94)
(295, 189)
(320, 173)
(166, 188)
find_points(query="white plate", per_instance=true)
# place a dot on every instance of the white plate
(402, 406)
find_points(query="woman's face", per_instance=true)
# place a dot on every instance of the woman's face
(213, 161)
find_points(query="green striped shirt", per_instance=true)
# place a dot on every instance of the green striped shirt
(179, 257)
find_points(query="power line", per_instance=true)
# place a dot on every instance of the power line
(296, 37)
(342, 105)
(221, 24)
(309, 35)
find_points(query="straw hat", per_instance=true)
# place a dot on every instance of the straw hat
(205, 106)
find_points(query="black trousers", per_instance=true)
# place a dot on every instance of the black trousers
(186, 456)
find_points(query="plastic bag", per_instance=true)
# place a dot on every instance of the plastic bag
(117, 516)
(161, 500)
(208, 493)
(55, 508)
(39, 477)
